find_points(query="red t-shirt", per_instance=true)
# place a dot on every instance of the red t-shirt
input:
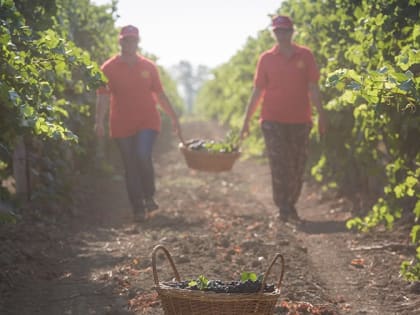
(285, 84)
(133, 90)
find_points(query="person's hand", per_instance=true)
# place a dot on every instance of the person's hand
(176, 128)
(99, 130)
(322, 123)
(244, 131)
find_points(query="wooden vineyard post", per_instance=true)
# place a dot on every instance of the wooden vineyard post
(20, 169)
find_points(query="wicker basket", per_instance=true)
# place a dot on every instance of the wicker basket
(209, 161)
(176, 301)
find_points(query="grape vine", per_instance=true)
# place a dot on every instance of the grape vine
(369, 56)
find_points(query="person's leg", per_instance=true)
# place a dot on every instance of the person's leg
(278, 156)
(127, 147)
(145, 140)
(299, 142)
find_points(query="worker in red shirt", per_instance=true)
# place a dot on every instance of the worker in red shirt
(286, 80)
(132, 91)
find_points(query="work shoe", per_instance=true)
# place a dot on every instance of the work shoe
(283, 216)
(289, 214)
(139, 213)
(140, 216)
(293, 216)
(150, 204)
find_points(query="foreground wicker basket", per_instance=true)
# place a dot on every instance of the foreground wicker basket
(209, 161)
(177, 301)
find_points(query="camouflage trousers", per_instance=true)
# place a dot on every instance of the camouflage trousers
(287, 149)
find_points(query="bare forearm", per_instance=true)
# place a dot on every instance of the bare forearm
(315, 96)
(253, 103)
(250, 110)
(102, 104)
(165, 103)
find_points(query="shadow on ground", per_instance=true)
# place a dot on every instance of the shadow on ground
(322, 227)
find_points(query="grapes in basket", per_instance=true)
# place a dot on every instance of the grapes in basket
(249, 283)
(228, 145)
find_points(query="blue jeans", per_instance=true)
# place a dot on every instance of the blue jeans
(136, 152)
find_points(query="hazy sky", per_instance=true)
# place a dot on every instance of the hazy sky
(204, 32)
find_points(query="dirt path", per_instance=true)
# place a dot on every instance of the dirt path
(97, 261)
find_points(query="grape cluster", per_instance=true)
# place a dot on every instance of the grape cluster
(196, 144)
(219, 286)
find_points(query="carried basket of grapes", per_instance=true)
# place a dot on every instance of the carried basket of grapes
(211, 155)
(208, 297)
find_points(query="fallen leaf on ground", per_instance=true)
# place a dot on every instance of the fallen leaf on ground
(358, 262)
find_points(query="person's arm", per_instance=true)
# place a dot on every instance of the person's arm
(251, 107)
(166, 105)
(102, 104)
(315, 97)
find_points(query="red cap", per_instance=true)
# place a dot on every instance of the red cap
(281, 21)
(129, 31)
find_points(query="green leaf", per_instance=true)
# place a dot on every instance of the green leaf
(417, 209)
(415, 233)
(245, 276)
(7, 218)
(28, 111)
(45, 88)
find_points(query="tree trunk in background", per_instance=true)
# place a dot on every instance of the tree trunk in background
(20, 169)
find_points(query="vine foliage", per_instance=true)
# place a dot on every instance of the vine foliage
(368, 53)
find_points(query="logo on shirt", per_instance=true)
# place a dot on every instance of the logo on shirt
(145, 74)
(300, 64)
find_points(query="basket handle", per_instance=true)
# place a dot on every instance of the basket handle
(269, 269)
(181, 138)
(168, 256)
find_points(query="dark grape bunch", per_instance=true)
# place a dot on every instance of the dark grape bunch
(196, 144)
(211, 146)
(219, 286)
